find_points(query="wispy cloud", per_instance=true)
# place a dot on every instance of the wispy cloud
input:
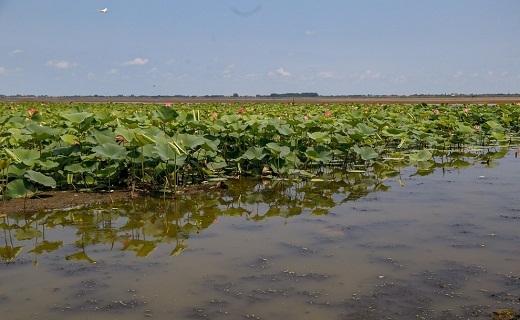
(458, 75)
(310, 33)
(3, 71)
(113, 71)
(15, 52)
(137, 62)
(280, 72)
(61, 64)
(370, 75)
(228, 71)
(326, 75)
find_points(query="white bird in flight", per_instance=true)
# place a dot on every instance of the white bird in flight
(104, 10)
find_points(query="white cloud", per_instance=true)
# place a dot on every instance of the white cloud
(3, 71)
(371, 75)
(325, 75)
(113, 71)
(400, 79)
(91, 76)
(61, 64)
(458, 75)
(228, 71)
(280, 72)
(252, 76)
(310, 33)
(15, 52)
(137, 62)
(153, 70)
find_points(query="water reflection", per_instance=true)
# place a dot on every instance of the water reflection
(141, 225)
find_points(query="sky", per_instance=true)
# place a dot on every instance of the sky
(249, 47)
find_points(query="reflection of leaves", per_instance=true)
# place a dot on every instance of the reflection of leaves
(459, 164)
(178, 249)
(47, 246)
(146, 249)
(141, 247)
(176, 221)
(27, 233)
(235, 212)
(80, 256)
(381, 187)
(425, 168)
(320, 212)
(9, 253)
(153, 228)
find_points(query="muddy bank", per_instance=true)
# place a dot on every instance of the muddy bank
(59, 200)
(54, 200)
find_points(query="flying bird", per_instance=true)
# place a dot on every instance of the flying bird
(246, 13)
(104, 10)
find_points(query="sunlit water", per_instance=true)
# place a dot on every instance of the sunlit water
(441, 246)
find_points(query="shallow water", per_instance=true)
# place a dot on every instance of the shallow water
(441, 246)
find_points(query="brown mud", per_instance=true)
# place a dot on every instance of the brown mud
(62, 200)
(54, 200)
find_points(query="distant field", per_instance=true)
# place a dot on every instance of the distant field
(364, 100)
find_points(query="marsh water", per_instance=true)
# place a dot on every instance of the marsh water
(441, 244)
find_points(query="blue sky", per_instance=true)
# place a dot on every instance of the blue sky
(64, 47)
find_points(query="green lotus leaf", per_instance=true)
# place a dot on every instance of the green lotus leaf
(166, 151)
(167, 114)
(48, 165)
(40, 132)
(323, 156)
(40, 179)
(76, 168)
(77, 117)
(215, 166)
(366, 153)
(320, 137)
(190, 141)
(421, 156)
(25, 156)
(285, 130)
(103, 136)
(110, 151)
(254, 153)
(495, 126)
(142, 139)
(18, 189)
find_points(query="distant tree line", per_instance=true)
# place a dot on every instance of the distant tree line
(272, 95)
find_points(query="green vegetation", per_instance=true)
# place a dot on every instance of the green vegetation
(103, 146)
